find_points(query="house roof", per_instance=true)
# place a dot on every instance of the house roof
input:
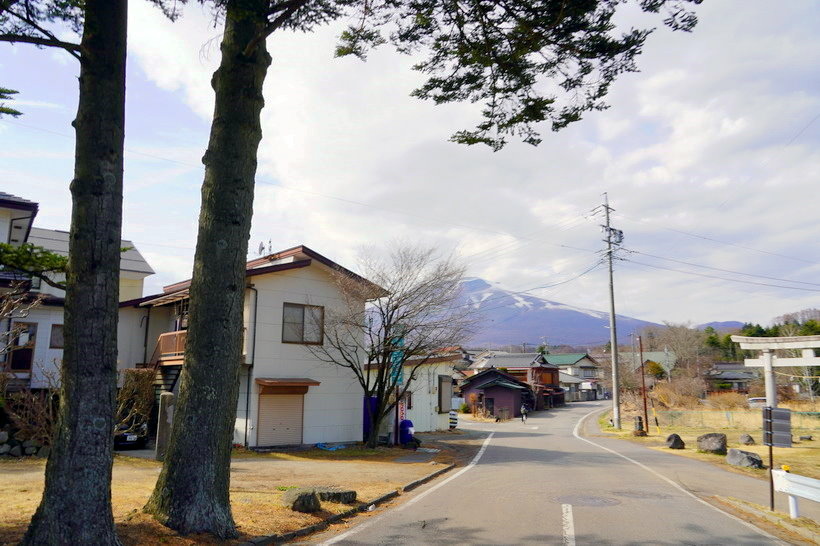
(568, 359)
(57, 241)
(567, 378)
(733, 375)
(491, 374)
(292, 258)
(511, 360)
(10, 201)
(502, 383)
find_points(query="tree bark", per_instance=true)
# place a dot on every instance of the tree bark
(191, 495)
(76, 503)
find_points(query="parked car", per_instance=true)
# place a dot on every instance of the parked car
(757, 402)
(131, 439)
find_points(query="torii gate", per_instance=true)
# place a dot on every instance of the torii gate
(769, 361)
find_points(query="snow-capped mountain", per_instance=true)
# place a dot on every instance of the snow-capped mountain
(508, 317)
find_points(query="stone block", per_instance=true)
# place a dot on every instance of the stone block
(16, 451)
(4, 436)
(738, 457)
(334, 494)
(30, 450)
(747, 440)
(4, 448)
(714, 442)
(302, 501)
(44, 452)
(673, 441)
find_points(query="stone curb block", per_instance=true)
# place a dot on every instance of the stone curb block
(322, 525)
(774, 518)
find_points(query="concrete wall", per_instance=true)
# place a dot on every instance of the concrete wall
(332, 410)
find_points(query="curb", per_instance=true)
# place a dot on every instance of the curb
(773, 517)
(322, 525)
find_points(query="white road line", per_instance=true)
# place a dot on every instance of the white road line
(567, 525)
(414, 499)
(667, 480)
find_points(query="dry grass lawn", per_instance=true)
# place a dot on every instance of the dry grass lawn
(257, 484)
(804, 457)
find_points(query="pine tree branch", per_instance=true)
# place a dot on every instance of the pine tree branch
(294, 5)
(73, 49)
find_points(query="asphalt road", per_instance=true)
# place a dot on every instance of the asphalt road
(539, 483)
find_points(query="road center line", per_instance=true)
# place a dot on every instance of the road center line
(567, 525)
(415, 499)
(667, 480)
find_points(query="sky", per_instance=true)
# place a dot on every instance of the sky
(709, 156)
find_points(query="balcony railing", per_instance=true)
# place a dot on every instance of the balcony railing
(170, 349)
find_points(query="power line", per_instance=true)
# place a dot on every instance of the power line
(720, 269)
(707, 238)
(720, 278)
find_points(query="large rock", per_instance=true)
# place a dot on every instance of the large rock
(4, 436)
(714, 442)
(808, 438)
(4, 448)
(334, 494)
(673, 441)
(747, 440)
(29, 443)
(302, 501)
(738, 457)
(31, 450)
(16, 451)
(44, 452)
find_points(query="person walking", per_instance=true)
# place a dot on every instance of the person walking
(524, 411)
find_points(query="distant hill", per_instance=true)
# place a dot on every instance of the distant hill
(721, 326)
(514, 318)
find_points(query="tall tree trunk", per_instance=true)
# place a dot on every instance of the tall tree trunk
(191, 495)
(76, 503)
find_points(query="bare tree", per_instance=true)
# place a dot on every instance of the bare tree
(685, 342)
(383, 334)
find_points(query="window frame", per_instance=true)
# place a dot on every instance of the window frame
(51, 344)
(304, 306)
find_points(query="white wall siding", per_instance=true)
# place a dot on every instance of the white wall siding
(333, 409)
(424, 413)
(46, 361)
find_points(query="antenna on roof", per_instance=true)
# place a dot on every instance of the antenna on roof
(261, 249)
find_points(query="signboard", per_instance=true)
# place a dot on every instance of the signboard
(402, 410)
(396, 362)
(777, 427)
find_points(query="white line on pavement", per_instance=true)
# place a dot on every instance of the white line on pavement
(568, 526)
(667, 480)
(416, 498)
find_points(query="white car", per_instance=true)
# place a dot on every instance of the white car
(757, 402)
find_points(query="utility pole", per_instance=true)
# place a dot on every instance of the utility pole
(613, 238)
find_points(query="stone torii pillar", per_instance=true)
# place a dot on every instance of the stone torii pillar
(769, 360)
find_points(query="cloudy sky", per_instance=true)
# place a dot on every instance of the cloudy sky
(709, 156)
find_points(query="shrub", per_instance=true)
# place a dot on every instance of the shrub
(464, 408)
(727, 400)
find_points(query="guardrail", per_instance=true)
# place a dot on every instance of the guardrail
(795, 486)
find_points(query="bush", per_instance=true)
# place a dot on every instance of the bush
(464, 408)
(727, 400)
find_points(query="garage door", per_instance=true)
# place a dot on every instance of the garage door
(280, 419)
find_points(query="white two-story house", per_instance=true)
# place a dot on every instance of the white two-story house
(288, 396)
(35, 352)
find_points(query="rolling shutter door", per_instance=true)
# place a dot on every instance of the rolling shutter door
(280, 419)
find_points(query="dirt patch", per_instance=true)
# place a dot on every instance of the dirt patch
(257, 485)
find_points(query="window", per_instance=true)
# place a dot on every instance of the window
(56, 341)
(303, 324)
(22, 346)
(408, 400)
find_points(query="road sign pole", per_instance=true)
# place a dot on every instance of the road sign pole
(771, 479)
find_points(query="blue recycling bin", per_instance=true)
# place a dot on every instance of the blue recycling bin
(405, 435)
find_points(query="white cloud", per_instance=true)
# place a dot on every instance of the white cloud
(711, 138)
